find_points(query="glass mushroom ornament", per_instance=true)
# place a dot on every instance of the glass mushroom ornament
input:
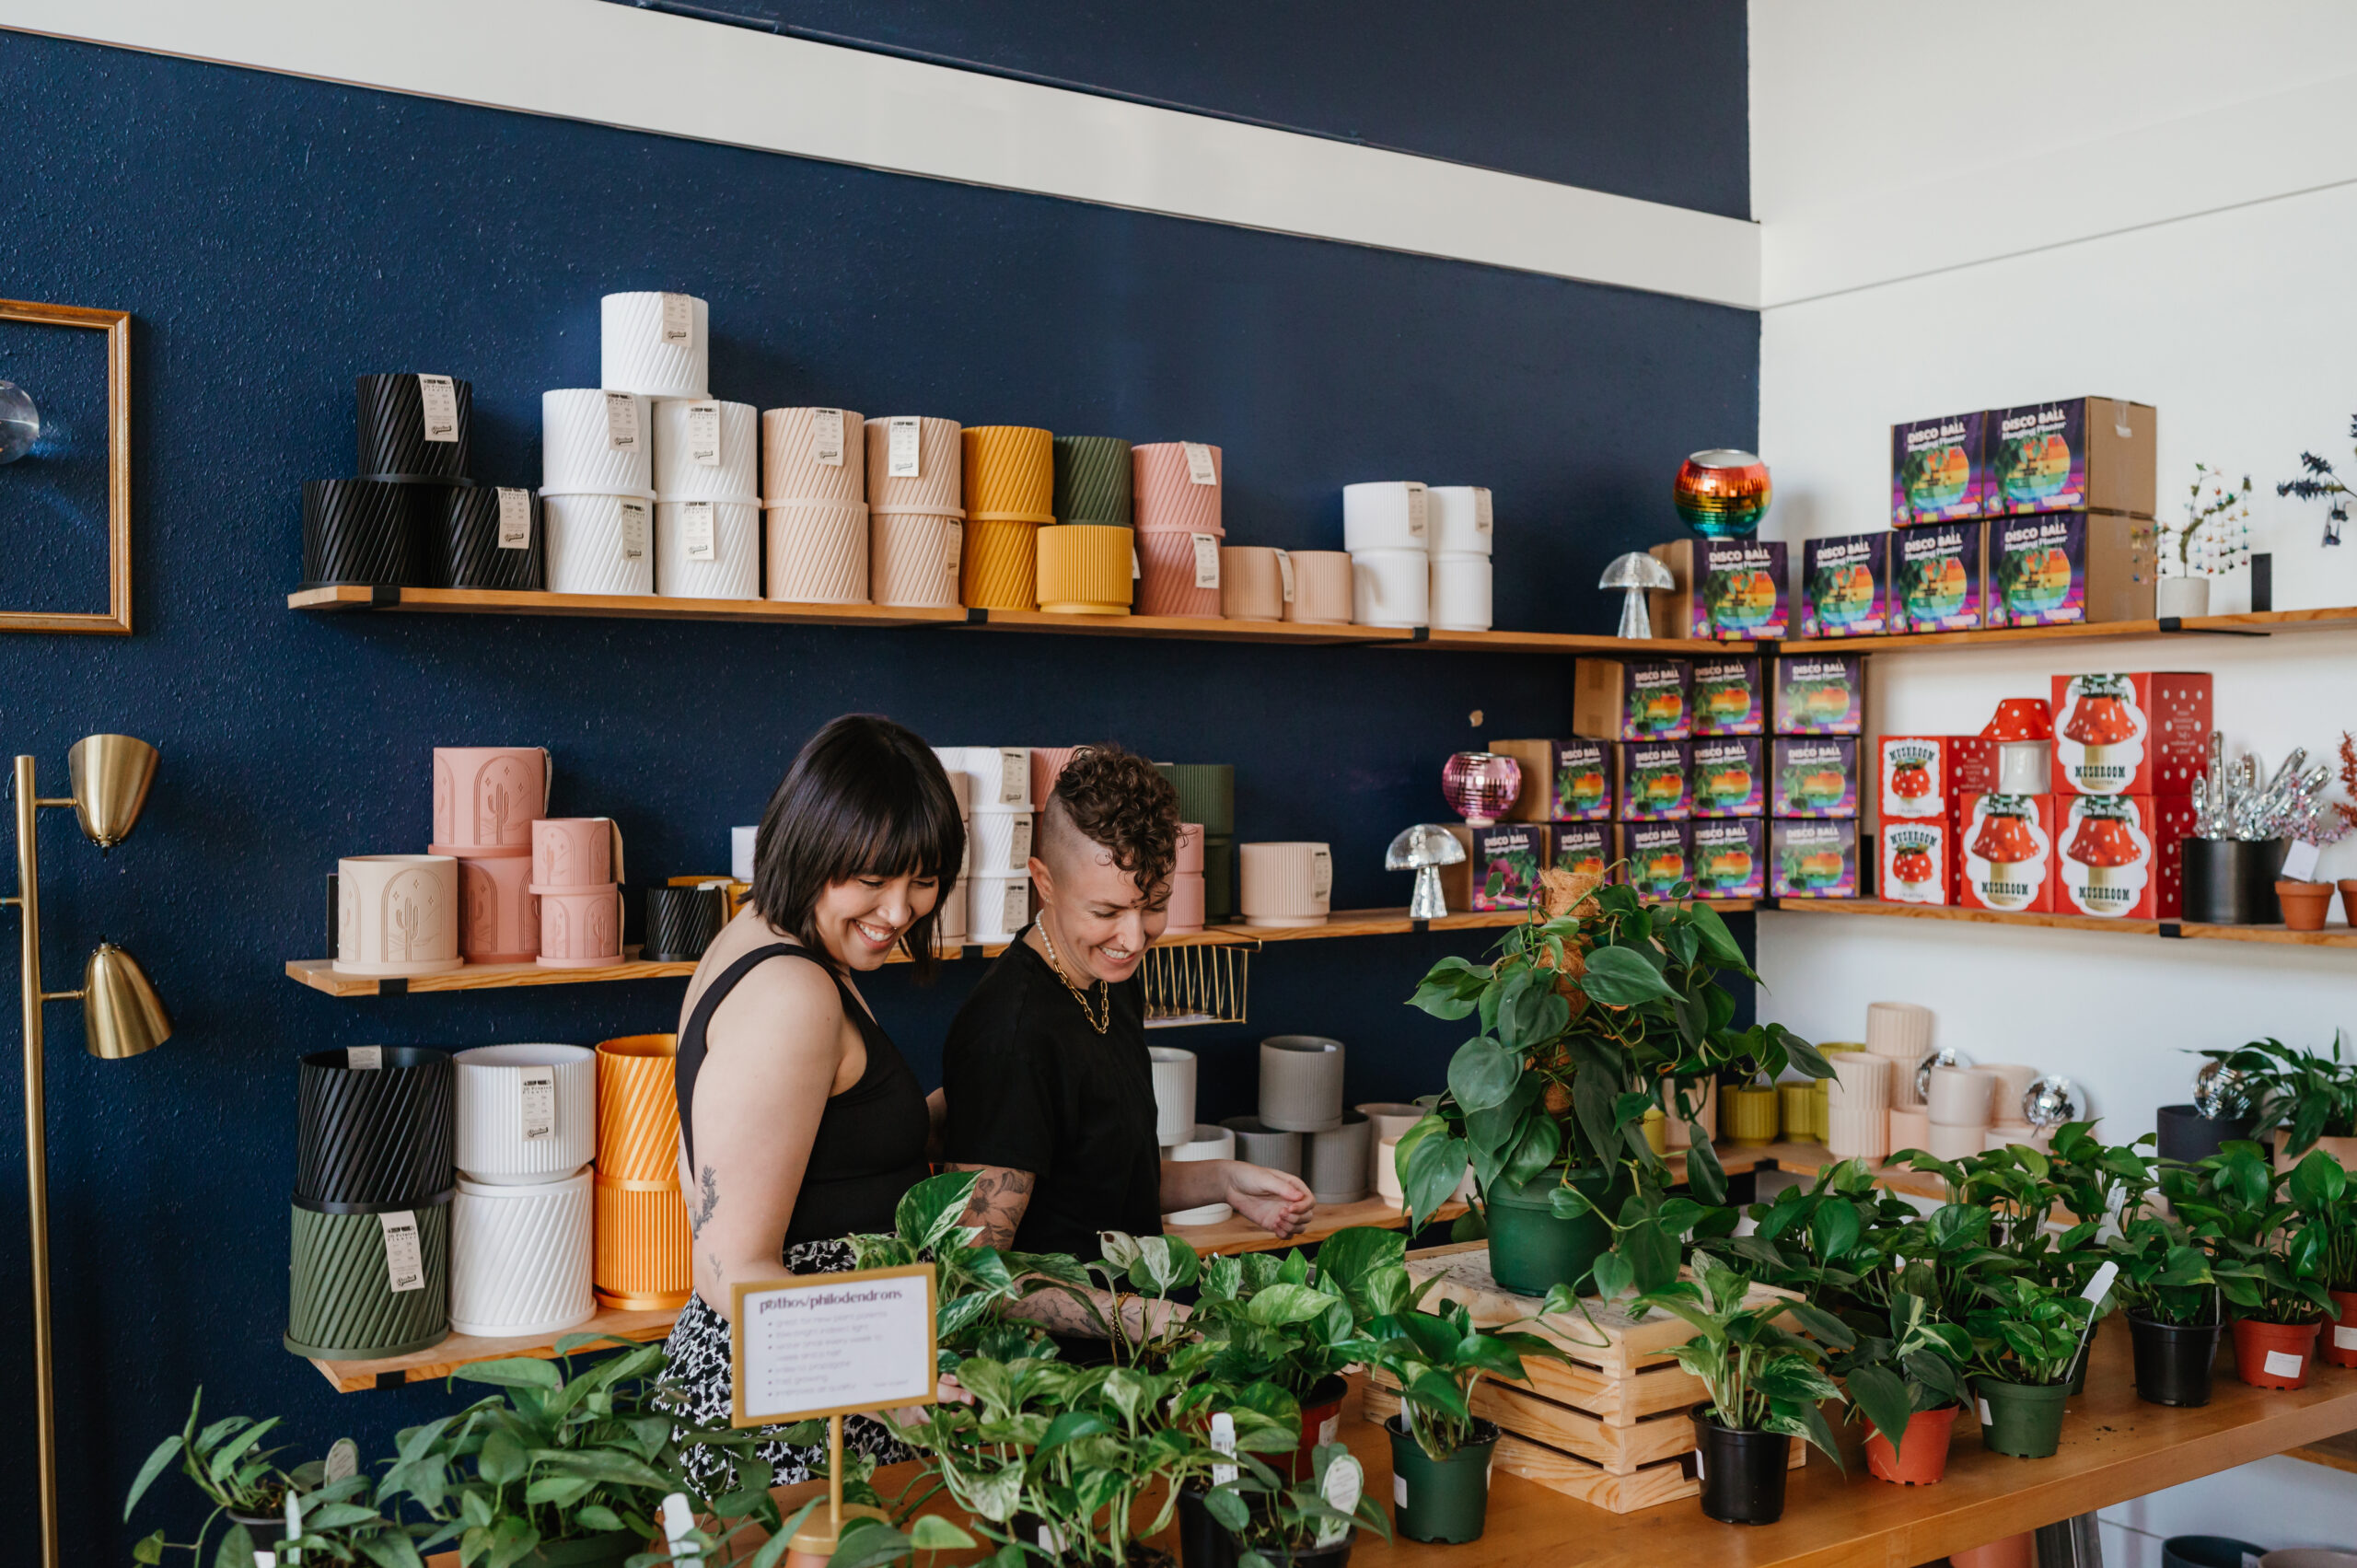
(1636, 575)
(1424, 849)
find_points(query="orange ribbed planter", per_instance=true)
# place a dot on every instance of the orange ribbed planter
(644, 1259)
(1001, 564)
(638, 1111)
(1085, 569)
(1010, 473)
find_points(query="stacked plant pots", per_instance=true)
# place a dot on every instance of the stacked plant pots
(916, 511)
(485, 800)
(1009, 475)
(1088, 562)
(1207, 799)
(951, 920)
(578, 875)
(1858, 1107)
(814, 496)
(1176, 487)
(1958, 1104)
(642, 1243)
(1301, 1092)
(1388, 1123)
(1458, 535)
(707, 513)
(370, 1263)
(1386, 528)
(1901, 1032)
(1187, 901)
(998, 837)
(522, 1224)
(597, 489)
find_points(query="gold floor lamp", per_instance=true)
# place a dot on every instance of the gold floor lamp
(120, 1016)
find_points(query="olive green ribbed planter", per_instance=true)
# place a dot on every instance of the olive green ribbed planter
(341, 1303)
(1206, 794)
(1094, 480)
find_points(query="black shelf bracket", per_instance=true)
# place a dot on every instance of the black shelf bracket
(2170, 928)
(398, 986)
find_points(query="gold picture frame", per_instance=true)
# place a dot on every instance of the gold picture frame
(115, 619)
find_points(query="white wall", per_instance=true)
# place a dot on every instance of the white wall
(2156, 203)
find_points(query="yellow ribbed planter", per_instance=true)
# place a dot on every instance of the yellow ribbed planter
(1010, 473)
(1748, 1115)
(1085, 569)
(1002, 567)
(638, 1111)
(1802, 1112)
(644, 1249)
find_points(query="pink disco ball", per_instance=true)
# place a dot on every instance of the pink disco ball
(1480, 786)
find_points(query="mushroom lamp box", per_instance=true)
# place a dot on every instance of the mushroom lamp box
(1727, 698)
(2098, 454)
(1845, 585)
(1939, 574)
(1926, 777)
(1728, 778)
(1501, 866)
(1727, 857)
(1820, 694)
(1578, 847)
(2139, 734)
(2110, 864)
(1562, 781)
(1650, 780)
(2062, 568)
(1916, 864)
(1723, 589)
(1936, 468)
(1616, 699)
(1659, 856)
(2005, 852)
(1813, 859)
(1813, 777)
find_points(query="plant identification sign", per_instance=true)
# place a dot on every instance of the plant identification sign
(831, 1344)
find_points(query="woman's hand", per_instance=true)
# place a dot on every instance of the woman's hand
(1278, 1203)
(947, 1391)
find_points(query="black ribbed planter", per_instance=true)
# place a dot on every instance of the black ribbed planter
(2232, 881)
(681, 923)
(2187, 1135)
(463, 549)
(384, 1136)
(1095, 477)
(391, 422)
(365, 531)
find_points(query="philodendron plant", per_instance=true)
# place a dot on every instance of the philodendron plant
(1762, 1377)
(1436, 1355)
(224, 1461)
(2026, 1332)
(1289, 1324)
(1918, 1365)
(1276, 1521)
(2269, 1251)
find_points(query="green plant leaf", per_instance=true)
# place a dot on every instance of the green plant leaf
(1482, 1074)
(518, 1372)
(1881, 1394)
(150, 1551)
(1070, 1425)
(502, 1458)
(1283, 1303)
(931, 1532)
(165, 1453)
(1620, 977)
(236, 1550)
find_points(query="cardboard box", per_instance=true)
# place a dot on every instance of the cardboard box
(1562, 781)
(1812, 860)
(1939, 577)
(1809, 776)
(2077, 455)
(1584, 847)
(1728, 777)
(1501, 866)
(1820, 694)
(2136, 734)
(1845, 585)
(1631, 699)
(2060, 568)
(2110, 862)
(1728, 857)
(1650, 781)
(1938, 468)
(1658, 855)
(1726, 590)
(1915, 862)
(2172, 825)
(1727, 697)
(2005, 847)
(1921, 778)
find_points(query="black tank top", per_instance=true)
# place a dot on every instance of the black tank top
(870, 1146)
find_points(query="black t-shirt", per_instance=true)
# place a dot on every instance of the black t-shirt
(1032, 1087)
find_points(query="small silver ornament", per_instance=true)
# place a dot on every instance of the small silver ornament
(1947, 1056)
(2218, 1092)
(2050, 1102)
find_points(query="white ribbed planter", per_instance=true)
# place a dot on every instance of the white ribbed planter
(1387, 514)
(1257, 1143)
(999, 842)
(997, 908)
(913, 557)
(2006, 1099)
(504, 1140)
(1860, 1083)
(1955, 1143)
(578, 428)
(734, 570)
(1460, 593)
(590, 538)
(520, 1257)
(1390, 587)
(796, 445)
(1301, 1083)
(1202, 1142)
(1458, 519)
(1910, 1129)
(1387, 1121)
(1174, 1093)
(1901, 1031)
(1387, 1171)
(818, 551)
(1857, 1133)
(1336, 1164)
(1286, 885)
(681, 475)
(397, 914)
(637, 354)
(1000, 775)
(1960, 1097)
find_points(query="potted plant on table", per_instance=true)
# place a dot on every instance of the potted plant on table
(2025, 1339)
(2335, 1225)
(1909, 1383)
(2310, 1096)
(226, 1461)
(2266, 1253)
(1275, 1522)
(2167, 1292)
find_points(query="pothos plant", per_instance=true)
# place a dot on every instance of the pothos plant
(1436, 1355)
(1762, 1377)
(1276, 1520)
(2268, 1231)
(225, 1460)
(1596, 1009)
(1288, 1324)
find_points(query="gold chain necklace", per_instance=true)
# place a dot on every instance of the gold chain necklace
(1099, 1019)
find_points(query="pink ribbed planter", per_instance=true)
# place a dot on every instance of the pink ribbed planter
(1047, 761)
(487, 798)
(581, 927)
(1186, 903)
(1251, 587)
(791, 470)
(939, 486)
(499, 920)
(573, 852)
(818, 551)
(1168, 587)
(1190, 848)
(1166, 499)
(1322, 586)
(912, 558)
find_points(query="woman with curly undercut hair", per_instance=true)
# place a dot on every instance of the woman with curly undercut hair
(1050, 1090)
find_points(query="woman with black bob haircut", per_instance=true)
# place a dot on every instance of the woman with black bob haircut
(800, 1122)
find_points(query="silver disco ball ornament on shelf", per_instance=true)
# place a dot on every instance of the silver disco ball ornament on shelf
(2219, 1092)
(1424, 849)
(1947, 1056)
(2050, 1102)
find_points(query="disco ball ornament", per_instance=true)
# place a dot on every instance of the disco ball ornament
(1480, 786)
(1947, 1056)
(2218, 1092)
(1722, 493)
(2050, 1102)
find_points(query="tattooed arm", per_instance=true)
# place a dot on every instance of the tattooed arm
(1000, 1199)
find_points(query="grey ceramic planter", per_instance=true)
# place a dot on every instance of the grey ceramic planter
(1301, 1084)
(1257, 1143)
(1337, 1161)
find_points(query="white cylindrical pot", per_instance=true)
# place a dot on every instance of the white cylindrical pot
(716, 555)
(1460, 593)
(1860, 1082)
(997, 908)
(658, 344)
(1286, 883)
(1956, 1143)
(527, 1113)
(912, 558)
(1174, 1093)
(1460, 519)
(2181, 597)
(1321, 588)
(2026, 767)
(741, 843)
(397, 914)
(1854, 1134)
(520, 1257)
(1910, 1129)
(1000, 775)
(1387, 1171)
(1389, 1122)
(1960, 1097)
(1301, 1083)
(1390, 587)
(1336, 1161)
(1386, 515)
(732, 436)
(600, 544)
(1000, 843)
(818, 551)
(1200, 1143)
(1258, 1144)
(2012, 1081)
(579, 429)
(813, 454)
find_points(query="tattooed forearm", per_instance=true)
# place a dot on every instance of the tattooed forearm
(999, 1200)
(707, 1199)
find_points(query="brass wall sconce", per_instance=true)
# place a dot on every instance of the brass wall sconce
(121, 1018)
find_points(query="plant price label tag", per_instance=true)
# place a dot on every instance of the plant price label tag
(679, 319)
(2300, 862)
(1014, 775)
(439, 399)
(343, 1460)
(1398, 1489)
(1698, 1466)
(696, 530)
(1284, 572)
(1201, 469)
(265, 1559)
(902, 452)
(1345, 1484)
(703, 433)
(621, 422)
(1018, 853)
(1986, 1419)
(1206, 560)
(2098, 1285)
(1017, 908)
(1481, 508)
(634, 528)
(1137, 570)
(2282, 1364)
(364, 1058)
(827, 437)
(679, 1526)
(1419, 510)
(2344, 1337)
(536, 1100)
(1321, 886)
(515, 519)
(404, 1257)
(953, 545)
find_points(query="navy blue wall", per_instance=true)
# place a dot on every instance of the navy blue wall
(1649, 100)
(276, 236)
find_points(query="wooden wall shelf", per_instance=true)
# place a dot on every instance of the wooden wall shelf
(2259, 624)
(2330, 936)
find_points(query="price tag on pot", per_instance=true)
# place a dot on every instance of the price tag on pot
(2343, 1337)
(1200, 468)
(1136, 569)
(633, 530)
(1321, 873)
(1480, 508)
(1018, 853)
(827, 437)
(1206, 560)
(1419, 509)
(679, 319)
(1017, 908)
(1224, 1442)
(2300, 862)
(621, 422)
(364, 1058)
(2282, 1364)
(696, 530)
(1345, 1484)
(1698, 1465)
(1284, 572)
(679, 1526)
(2098, 1287)
(515, 519)
(1986, 1419)
(953, 544)
(536, 1099)
(902, 451)
(439, 399)
(404, 1257)
(1014, 774)
(1398, 1489)
(703, 433)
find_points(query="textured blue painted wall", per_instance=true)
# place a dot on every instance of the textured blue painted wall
(274, 237)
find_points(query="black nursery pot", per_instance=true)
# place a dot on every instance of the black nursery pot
(464, 550)
(391, 423)
(2173, 1361)
(2232, 881)
(1203, 1542)
(1742, 1472)
(681, 923)
(2187, 1135)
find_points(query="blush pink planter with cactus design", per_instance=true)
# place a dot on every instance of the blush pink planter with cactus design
(499, 920)
(575, 852)
(487, 798)
(580, 927)
(397, 914)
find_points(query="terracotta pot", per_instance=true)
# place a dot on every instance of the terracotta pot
(580, 927)
(2340, 1334)
(1321, 1418)
(2341, 1149)
(1921, 1457)
(574, 852)
(487, 798)
(2274, 1355)
(2305, 903)
(2013, 1551)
